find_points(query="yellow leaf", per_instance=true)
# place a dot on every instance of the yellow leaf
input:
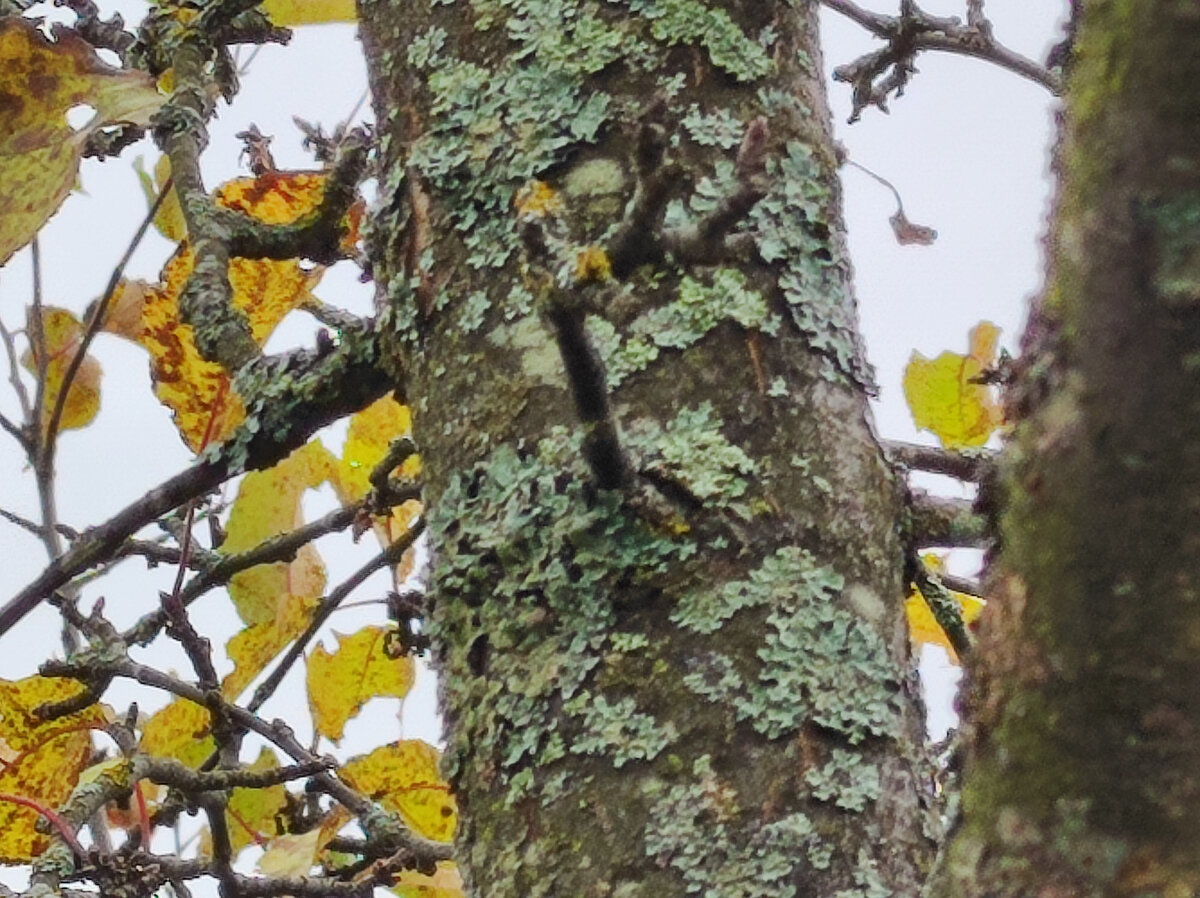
(180, 731)
(923, 627)
(63, 332)
(253, 648)
(250, 814)
(41, 760)
(403, 777)
(944, 399)
(40, 80)
(370, 434)
(168, 220)
(339, 684)
(446, 882)
(274, 600)
(292, 855)
(200, 393)
(268, 504)
(290, 13)
(33, 185)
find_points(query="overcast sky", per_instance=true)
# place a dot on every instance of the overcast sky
(966, 147)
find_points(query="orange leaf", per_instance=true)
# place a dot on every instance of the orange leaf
(339, 684)
(200, 393)
(63, 333)
(403, 777)
(446, 882)
(40, 80)
(945, 398)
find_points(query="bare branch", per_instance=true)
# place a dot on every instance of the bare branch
(914, 31)
(970, 465)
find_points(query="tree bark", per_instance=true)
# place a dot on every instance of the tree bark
(1083, 772)
(667, 590)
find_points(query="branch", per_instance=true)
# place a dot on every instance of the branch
(391, 555)
(971, 465)
(943, 607)
(940, 521)
(913, 32)
(289, 398)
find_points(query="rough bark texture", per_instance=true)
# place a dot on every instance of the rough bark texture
(1083, 774)
(697, 682)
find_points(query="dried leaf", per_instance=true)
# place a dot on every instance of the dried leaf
(446, 882)
(944, 396)
(909, 234)
(340, 683)
(403, 777)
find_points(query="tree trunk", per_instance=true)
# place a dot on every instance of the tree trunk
(1083, 774)
(667, 590)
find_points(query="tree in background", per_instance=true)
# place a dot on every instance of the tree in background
(669, 556)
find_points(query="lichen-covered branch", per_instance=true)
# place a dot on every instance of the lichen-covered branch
(943, 521)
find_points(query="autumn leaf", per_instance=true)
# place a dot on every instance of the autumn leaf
(945, 397)
(40, 760)
(368, 439)
(200, 394)
(445, 882)
(250, 814)
(291, 13)
(274, 600)
(40, 81)
(923, 628)
(403, 777)
(340, 683)
(168, 220)
(181, 731)
(63, 333)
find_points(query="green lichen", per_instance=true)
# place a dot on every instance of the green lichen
(793, 229)
(819, 662)
(1176, 224)
(530, 558)
(692, 452)
(847, 779)
(695, 828)
(424, 49)
(698, 308)
(493, 129)
(719, 128)
(617, 730)
(867, 879)
(474, 310)
(694, 22)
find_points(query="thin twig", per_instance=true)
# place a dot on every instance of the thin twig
(97, 317)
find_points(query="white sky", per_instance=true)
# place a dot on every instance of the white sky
(966, 147)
